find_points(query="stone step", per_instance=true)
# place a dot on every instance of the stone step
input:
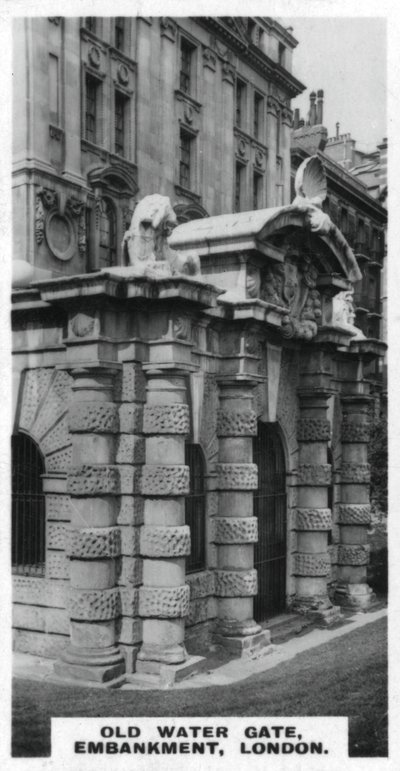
(288, 625)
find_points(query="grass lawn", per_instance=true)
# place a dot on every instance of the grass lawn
(345, 677)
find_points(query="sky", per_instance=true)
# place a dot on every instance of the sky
(346, 57)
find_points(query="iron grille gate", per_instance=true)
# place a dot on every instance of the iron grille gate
(195, 509)
(28, 508)
(270, 510)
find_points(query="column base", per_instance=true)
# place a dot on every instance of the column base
(153, 656)
(169, 674)
(235, 628)
(355, 596)
(320, 610)
(91, 664)
(249, 647)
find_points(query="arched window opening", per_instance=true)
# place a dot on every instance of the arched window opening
(28, 508)
(195, 509)
(108, 239)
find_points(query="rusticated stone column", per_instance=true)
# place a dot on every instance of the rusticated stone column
(235, 527)
(313, 517)
(354, 510)
(165, 539)
(93, 539)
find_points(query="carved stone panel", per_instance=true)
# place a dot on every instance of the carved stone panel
(166, 419)
(353, 555)
(165, 480)
(237, 476)
(313, 430)
(235, 583)
(312, 564)
(165, 541)
(160, 602)
(94, 605)
(313, 519)
(354, 514)
(235, 530)
(241, 423)
(94, 543)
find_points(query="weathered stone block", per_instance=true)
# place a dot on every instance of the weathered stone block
(355, 429)
(56, 536)
(130, 541)
(312, 564)
(130, 571)
(39, 644)
(198, 612)
(241, 423)
(131, 418)
(94, 605)
(57, 438)
(94, 418)
(58, 507)
(165, 541)
(129, 601)
(129, 477)
(235, 530)
(165, 480)
(39, 591)
(235, 583)
(94, 543)
(36, 383)
(353, 555)
(60, 460)
(166, 419)
(94, 480)
(129, 630)
(201, 584)
(130, 449)
(354, 514)
(313, 519)
(355, 473)
(57, 565)
(313, 430)
(160, 602)
(318, 475)
(131, 510)
(133, 383)
(237, 476)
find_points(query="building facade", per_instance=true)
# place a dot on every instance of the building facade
(189, 448)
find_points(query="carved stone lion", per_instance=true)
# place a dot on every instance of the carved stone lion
(145, 246)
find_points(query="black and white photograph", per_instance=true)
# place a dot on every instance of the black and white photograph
(198, 410)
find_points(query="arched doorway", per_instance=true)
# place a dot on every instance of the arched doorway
(28, 508)
(270, 510)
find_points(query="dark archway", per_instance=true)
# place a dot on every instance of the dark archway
(28, 536)
(270, 510)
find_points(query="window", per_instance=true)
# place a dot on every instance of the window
(195, 509)
(240, 103)
(279, 182)
(107, 235)
(91, 128)
(90, 23)
(257, 190)
(185, 152)
(278, 133)
(53, 89)
(258, 115)
(120, 123)
(238, 186)
(185, 67)
(28, 507)
(119, 32)
(281, 54)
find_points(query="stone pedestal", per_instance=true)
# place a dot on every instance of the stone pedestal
(235, 528)
(165, 539)
(93, 539)
(354, 510)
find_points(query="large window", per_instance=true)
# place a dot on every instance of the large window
(28, 508)
(240, 171)
(258, 115)
(91, 109)
(257, 190)
(120, 123)
(119, 30)
(240, 103)
(185, 74)
(108, 245)
(195, 509)
(185, 159)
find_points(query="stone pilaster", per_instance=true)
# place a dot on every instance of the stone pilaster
(354, 510)
(165, 539)
(235, 527)
(93, 542)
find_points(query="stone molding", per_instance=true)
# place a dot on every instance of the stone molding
(315, 475)
(166, 419)
(161, 602)
(237, 476)
(93, 543)
(312, 564)
(240, 423)
(235, 530)
(93, 480)
(94, 604)
(354, 513)
(355, 473)
(94, 417)
(165, 541)
(355, 430)
(353, 555)
(165, 480)
(313, 430)
(235, 583)
(313, 519)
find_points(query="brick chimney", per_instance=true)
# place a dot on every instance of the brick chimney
(311, 135)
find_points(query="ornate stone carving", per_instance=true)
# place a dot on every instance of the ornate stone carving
(45, 199)
(228, 73)
(94, 417)
(94, 56)
(36, 382)
(313, 519)
(166, 419)
(241, 423)
(201, 585)
(181, 327)
(235, 583)
(312, 564)
(58, 507)
(94, 480)
(123, 74)
(237, 476)
(355, 473)
(273, 107)
(235, 530)
(287, 116)
(160, 602)
(74, 206)
(94, 543)
(319, 475)
(168, 28)
(343, 313)
(83, 325)
(133, 383)
(165, 480)
(353, 555)
(313, 430)
(130, 449)
(292, 285)
(355, 430)
(145, 244)
(165, 541)
(131, 418)
(94, 604)
(209, 59)
(354, 513)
